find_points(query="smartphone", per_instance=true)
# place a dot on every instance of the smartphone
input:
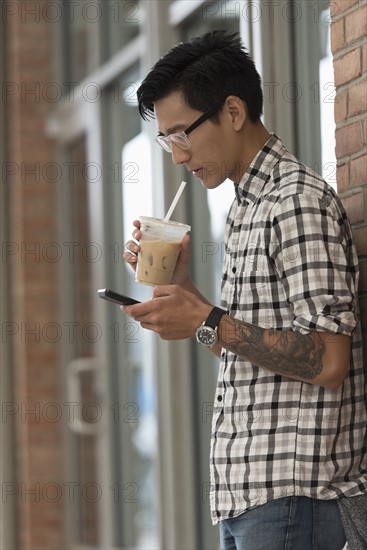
(113, 296)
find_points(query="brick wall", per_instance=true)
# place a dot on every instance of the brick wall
(349, 46)
(33, 291)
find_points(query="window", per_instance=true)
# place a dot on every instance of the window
(120, 23)
(127, 184)
(314, 89)
(94, 31)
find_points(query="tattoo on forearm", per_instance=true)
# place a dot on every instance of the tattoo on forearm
(285, 352)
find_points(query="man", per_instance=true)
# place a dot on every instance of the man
(289, 422)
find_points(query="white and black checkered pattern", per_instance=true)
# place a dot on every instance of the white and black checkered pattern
(289, 265)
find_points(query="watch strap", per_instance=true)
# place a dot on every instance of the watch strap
(214, 317)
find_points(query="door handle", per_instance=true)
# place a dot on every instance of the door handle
(74, 369)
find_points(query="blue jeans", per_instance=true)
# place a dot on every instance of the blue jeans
(290, 523)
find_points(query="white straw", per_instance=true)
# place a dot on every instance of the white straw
(175, 201)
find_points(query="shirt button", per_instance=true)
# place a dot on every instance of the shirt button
(219, 398)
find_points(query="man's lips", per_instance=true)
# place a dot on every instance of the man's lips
(196, 171)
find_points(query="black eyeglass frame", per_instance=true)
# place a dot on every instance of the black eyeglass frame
(202, 118)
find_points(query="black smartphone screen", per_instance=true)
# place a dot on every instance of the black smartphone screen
(115, 297)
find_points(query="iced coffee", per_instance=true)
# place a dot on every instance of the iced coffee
(159, 249)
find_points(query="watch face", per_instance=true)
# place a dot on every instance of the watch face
(207, 336)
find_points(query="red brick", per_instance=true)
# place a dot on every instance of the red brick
(358, 171)
(339, 6)
(35, 363)
(355, 208)
(349, 139)
(347, 67)
(337, 35)
(356, 24)
(357, 98)
(340, 106)
(342, 177)
(360, 240)
(364, 58)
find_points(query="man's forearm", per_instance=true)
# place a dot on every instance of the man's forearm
(317, 358)
(287, 352)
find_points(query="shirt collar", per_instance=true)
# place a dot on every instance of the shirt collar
(258, 172)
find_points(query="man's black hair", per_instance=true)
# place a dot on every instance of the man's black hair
(205, 70)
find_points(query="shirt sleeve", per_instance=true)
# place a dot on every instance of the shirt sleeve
(314, 257)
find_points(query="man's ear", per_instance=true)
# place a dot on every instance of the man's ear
(237, 111)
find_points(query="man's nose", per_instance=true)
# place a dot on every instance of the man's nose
(179, 155)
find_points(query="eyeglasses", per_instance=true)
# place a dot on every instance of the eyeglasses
(180, 139)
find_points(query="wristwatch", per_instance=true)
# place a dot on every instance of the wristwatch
(207, 333)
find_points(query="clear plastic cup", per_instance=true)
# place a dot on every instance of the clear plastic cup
(160, 246)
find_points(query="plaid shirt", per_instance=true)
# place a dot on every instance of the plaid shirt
(289, 265)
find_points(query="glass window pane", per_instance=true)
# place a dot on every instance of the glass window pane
(127, 183)
(94, 31)
(81, 23)
(327, 99)
(120, 23)
(212, 16)
(315, 95)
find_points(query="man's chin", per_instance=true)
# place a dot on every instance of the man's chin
(210, 183)
(209, 180)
